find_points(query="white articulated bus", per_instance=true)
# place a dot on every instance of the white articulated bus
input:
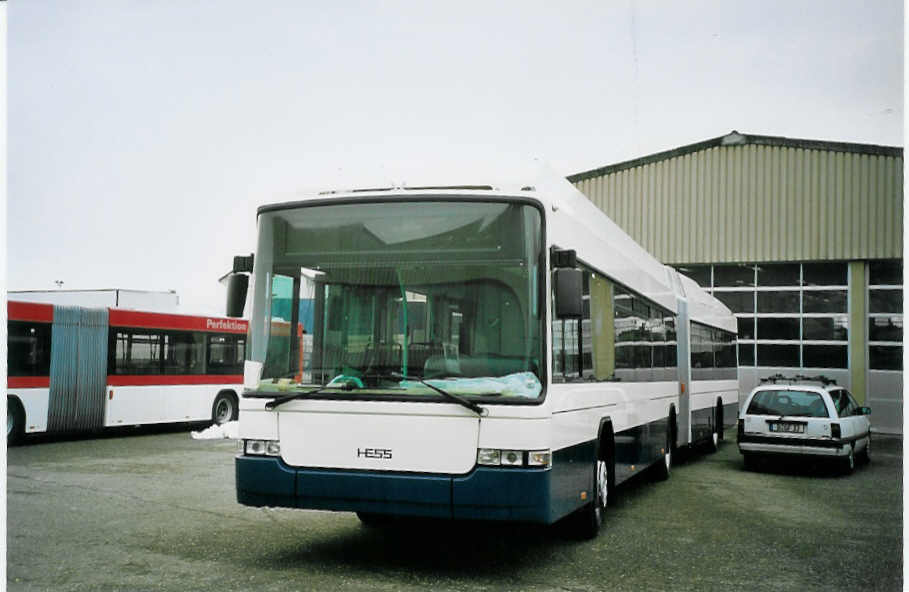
(475, 352)
(76, 369)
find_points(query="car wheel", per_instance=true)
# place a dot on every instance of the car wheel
(866, 453)
(848, 463)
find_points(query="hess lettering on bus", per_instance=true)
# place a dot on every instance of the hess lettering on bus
(381, 453)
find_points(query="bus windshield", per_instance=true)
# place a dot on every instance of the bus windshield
(385, 295)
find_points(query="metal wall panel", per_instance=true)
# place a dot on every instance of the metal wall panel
(758, 202)
(78, 369)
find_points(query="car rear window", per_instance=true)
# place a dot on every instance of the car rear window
(791, 403)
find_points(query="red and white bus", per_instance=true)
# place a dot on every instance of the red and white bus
(75, 369)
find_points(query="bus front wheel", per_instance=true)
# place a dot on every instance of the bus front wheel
(587, 522)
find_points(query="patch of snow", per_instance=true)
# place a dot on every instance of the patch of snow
(229, 430)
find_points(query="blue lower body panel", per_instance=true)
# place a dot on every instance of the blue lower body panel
(485, 493)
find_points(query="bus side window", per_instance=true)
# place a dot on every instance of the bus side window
(28, 348)
(602, 328)
(136, 353)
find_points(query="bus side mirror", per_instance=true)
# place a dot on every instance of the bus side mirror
(237, 286)
(569, 293)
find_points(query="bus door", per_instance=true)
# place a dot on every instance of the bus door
(78, 369)
(684, 366)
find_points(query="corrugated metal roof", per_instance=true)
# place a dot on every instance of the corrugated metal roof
(735, 138)
(743, 198)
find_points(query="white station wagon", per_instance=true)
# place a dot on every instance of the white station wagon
(794, 417)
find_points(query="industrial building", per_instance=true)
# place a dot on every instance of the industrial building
(802, 239)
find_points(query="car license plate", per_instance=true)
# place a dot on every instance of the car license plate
(788, 428)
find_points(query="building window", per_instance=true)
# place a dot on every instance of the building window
(825, 274)
(733, 276)
(737, 301)
(778, 355)
(746, 354)
(826, 328)
(885, 273)
(778, 274)
(885, 315)
(885, 300)
(825, 301)
(825, 356)
(794, 315)
(778, 329)
(885, 357)
(886, 328)
(746, 327)
(770, 302)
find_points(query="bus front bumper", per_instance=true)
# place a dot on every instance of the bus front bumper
(486, 493)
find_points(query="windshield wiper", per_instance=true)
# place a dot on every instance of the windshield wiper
(481, 411)
(346, 386)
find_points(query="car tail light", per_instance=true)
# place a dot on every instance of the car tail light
(835, 430)
(741, 428)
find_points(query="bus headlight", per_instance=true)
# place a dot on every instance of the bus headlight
(539, 458)
(514, 458)
(262, 448)
(489, 456)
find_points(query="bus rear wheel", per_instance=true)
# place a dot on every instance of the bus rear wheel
(224, 409)
(15, 421)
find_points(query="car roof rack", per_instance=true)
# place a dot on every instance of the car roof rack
(778, 378)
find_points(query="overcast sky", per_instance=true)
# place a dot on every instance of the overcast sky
(143, 135)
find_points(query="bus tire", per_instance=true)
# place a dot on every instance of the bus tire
(586, 523)
(15, 421)
(225, 408)
(713, 443)
(719, 422)
(663, 467)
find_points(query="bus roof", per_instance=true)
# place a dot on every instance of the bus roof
(704, 308)
(44, 313)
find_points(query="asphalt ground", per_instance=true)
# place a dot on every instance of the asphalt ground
(156, 511)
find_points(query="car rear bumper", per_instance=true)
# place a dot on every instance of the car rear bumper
(795, 446)
(484, 494)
